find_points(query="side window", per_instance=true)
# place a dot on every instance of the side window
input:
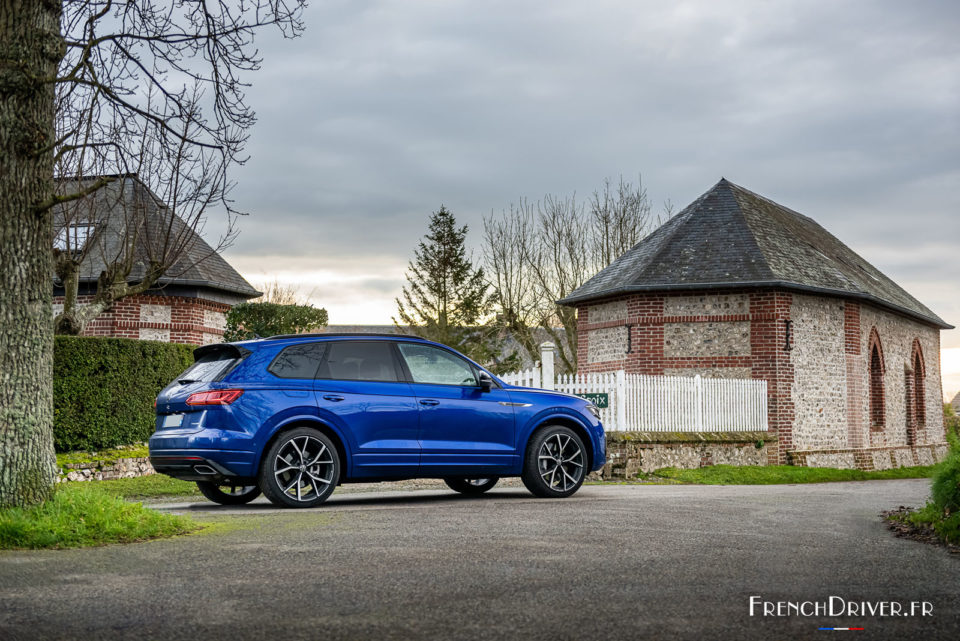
(359, 361)
(298, 361)
(433, 365)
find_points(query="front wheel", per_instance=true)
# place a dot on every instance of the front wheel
(228, 494)
(301, 469)
(555, 463)
(471, 485)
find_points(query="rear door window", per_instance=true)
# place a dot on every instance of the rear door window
(298, 361)
(359, 361)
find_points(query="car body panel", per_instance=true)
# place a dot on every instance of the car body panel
(380, 421)
(465, 428)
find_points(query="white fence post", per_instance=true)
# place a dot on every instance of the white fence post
(546, 365)
(620, 398)
(698, 383)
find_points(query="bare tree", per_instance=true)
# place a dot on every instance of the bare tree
(276, 292)
(135, 229)
(105, 87)
(536, 254)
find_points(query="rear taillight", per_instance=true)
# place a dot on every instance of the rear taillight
(215, 397)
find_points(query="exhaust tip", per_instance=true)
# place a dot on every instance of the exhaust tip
(204, 469)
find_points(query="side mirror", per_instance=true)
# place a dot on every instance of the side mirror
(486, 383)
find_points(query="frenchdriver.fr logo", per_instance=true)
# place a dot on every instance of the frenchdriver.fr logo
(835, 606)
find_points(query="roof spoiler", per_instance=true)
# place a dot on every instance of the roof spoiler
(235, 350)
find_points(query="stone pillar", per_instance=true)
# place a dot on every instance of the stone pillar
(547, 377)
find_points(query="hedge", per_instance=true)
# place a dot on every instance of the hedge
(104, 389)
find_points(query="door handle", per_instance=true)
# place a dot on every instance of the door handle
(333, 397)
(429, 401)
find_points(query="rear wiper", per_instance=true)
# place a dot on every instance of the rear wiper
(185, 381)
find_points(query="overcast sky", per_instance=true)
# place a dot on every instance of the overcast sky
(848, 112)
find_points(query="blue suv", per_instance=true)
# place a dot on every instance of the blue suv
(295, 416)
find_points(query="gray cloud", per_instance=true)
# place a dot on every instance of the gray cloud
(847, 112)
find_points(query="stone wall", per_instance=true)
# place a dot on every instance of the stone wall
(897, 336)
(105, 470)
(819, 389)
(684, 340)
(878, 458)
(607, 344)
(630, 453)
(193, 321)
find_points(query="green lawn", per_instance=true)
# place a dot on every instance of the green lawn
(86, 514)
(779, 474)
(145, 487)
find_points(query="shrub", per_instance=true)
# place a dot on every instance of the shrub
(250, 320)
(945, 490)
(104, 389)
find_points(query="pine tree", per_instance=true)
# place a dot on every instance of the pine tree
(446, 299)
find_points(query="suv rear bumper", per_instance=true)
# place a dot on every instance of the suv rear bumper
(191, 468)
(179, 455)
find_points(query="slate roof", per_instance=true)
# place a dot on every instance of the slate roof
(107, 210)
(732, 237)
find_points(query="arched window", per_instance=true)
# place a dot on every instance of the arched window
(919, 386)
(877, 406)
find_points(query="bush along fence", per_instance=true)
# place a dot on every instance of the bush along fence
(635, 402)
(104, 389)
(654, 422)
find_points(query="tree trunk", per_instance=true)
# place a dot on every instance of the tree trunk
(30, 50)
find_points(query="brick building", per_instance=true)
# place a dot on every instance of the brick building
(189, 304)
(738, 286)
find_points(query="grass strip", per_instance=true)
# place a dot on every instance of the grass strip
(783, 474)
(945, 524)
(82, 515)
(145, 487)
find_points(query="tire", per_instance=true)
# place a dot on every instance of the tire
(228, 494)
(471, 486)
(555, 464)
(301, 469)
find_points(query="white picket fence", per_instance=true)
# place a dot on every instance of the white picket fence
(664, 403)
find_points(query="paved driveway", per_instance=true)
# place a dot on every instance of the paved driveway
(613, 562)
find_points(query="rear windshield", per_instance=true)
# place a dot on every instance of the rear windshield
(209, 367)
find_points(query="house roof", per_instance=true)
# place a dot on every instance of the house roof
(732, 237)
(108, 210)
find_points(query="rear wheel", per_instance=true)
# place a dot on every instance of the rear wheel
(301, 469)
(228, 493)
(471, 485)
(555, 464)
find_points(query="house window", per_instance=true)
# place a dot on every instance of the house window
(73, 237)
(877, 408)
(919, 401)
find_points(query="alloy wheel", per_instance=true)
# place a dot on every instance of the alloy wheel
(560, 462)
(303, 468)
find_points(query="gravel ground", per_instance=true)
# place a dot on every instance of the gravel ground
(612, 562)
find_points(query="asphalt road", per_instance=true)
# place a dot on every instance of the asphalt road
(613, 562)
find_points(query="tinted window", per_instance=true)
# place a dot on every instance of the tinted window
(298, 361)
(209, 367)
(359, 361)
(433, 365)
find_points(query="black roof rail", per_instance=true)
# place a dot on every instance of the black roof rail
(342, 335)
